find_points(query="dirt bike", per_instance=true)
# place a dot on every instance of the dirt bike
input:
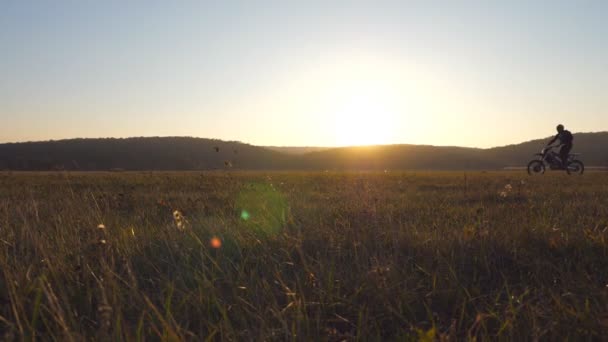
(549, 158)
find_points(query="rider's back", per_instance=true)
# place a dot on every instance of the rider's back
(565, 137)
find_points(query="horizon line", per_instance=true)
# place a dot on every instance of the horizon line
(276, 146)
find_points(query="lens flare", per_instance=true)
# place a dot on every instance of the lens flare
(215, 242)
(263, 208)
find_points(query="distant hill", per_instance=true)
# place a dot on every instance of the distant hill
(185, 153)
(593, 148)
(170, 153)
(296, 150)
(399, 157)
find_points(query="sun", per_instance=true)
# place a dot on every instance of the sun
(355, 101)
(365, 114)
(362, 121)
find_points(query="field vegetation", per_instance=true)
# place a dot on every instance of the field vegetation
(303, 256)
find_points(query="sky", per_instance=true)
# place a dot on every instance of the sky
(303, 73)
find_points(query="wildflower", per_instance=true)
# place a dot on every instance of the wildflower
(312, 280)
(180, 220)
(105, 313)
(506, 191)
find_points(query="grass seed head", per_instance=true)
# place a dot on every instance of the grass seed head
(180, 220)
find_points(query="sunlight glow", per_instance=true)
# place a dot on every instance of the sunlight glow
(366, 116)
(365, 104)
(355, 101)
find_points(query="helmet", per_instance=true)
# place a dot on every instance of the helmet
(560, 127)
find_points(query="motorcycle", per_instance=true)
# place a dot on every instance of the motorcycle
(549, 158)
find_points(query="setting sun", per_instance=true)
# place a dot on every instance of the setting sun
(364, 118)
(362, 103)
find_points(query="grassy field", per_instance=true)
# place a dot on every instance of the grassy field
(303, 256)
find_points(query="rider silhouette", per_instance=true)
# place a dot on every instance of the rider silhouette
(565, 139)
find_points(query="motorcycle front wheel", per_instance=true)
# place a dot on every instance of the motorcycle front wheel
(536, 167)
(575, 167)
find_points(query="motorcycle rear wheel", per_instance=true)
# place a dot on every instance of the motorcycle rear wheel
(575, 167)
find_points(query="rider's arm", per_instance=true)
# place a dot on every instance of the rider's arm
(553, 140)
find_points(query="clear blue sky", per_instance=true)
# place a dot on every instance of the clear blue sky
(470, 73)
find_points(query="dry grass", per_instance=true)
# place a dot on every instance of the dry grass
(306, 256)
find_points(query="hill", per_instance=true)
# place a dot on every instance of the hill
(399, 157)
(170, 153)
(186, 153)
(297, 150)
(593, 148)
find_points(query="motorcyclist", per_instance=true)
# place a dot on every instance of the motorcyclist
(565, 139)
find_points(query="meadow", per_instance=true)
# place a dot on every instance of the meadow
(303, 256)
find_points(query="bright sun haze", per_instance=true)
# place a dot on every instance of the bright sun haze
(315, 73)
